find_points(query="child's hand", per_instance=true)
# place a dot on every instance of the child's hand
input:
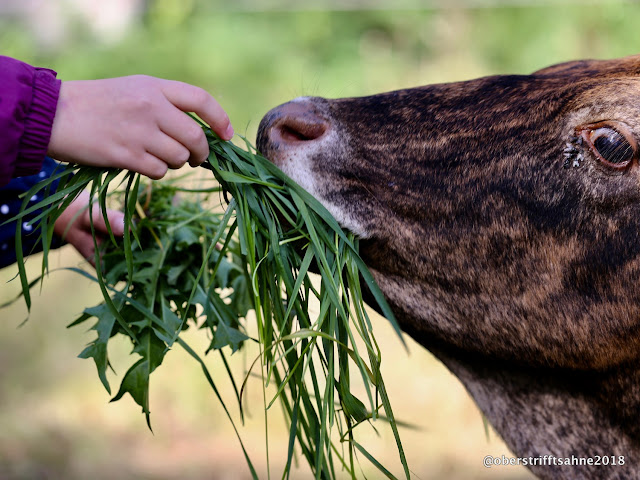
(74, 226)
(136, 123)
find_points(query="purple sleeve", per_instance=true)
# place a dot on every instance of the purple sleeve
(28, 101)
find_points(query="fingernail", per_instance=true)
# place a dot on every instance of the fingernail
(228, 133)
(118, 228)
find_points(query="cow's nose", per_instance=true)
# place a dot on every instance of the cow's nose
(289, 127)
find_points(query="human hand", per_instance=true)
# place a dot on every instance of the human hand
(135, 123)
(74, 226)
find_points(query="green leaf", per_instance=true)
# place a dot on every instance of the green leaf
(174, 272)
(172, 324)
(185, 237)
(228, 336)
(98, 348)
(353, 407)
(136, 380)
(375, 462)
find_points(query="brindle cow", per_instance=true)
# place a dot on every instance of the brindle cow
(501, 219)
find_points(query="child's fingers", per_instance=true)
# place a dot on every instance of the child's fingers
(169, 150)
(116, 221)
(83, 243)
(189, 98)
(150, 166)
(187, 133)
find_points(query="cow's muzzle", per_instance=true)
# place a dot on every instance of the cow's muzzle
(292, 129)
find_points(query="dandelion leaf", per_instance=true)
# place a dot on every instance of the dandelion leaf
(228, 336)
(98, 348)
(136, 380)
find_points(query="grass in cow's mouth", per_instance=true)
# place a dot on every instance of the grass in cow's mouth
(182, 265)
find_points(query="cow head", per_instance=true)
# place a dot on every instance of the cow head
(499, 216)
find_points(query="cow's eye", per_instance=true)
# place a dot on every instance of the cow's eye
(613, 145)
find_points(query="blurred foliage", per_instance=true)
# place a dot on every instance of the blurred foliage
(252, 56)
(252, 61)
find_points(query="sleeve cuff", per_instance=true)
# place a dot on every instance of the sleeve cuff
(37, 130)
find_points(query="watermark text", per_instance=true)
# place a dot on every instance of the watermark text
(551, 460)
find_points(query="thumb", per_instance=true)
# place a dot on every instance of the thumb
(114, 218)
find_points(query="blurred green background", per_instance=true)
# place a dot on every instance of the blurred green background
(55, 419)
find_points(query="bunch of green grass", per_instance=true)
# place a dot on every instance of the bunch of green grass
(182, 265)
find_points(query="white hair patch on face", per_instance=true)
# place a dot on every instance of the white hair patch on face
(298, 164)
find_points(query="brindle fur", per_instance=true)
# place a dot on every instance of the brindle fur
(521, 275)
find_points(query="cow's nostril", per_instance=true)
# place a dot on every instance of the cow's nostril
(292, 135)
(292, 126)
(297, 129)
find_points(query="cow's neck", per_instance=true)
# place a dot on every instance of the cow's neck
(537, 409)
(542, 412)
